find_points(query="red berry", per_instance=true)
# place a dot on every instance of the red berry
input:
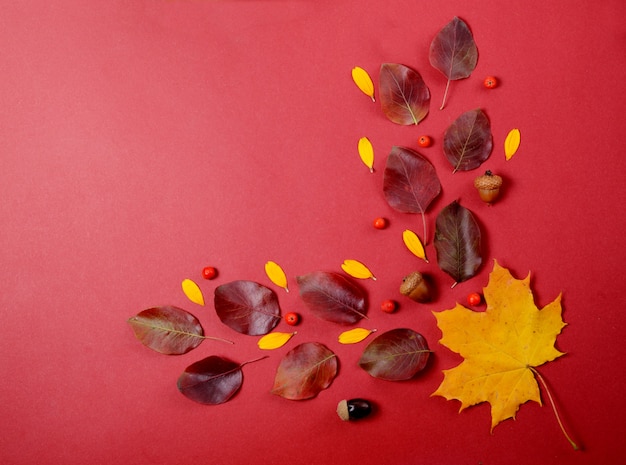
(292, 318)
(389, 306)
(424, 141)
(380, 223)
(490, 82)
(474, 299)
(209, 272)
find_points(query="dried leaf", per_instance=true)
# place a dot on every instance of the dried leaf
(363, 81)
(404, 97)
(414, 244)
(356, 269)
(305, 371)
(168, 330)
(453, 52)
(274, 340)
(192, 291)
(276, 275)
(366, 152)
(500, 346)
(333, 297)
(511, 143)
(396, 355)
(467, 142)
(352, 336)
(457, 242)
(247, 307)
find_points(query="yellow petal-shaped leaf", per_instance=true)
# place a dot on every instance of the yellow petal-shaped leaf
(511, 143)
(275, 340)
(355, 335)
(366, 152)
(414, 244)
(276, 275)
(356, 269)
(193, 292)
(363, 81)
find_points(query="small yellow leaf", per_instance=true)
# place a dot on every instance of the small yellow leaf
(275, 340)
(276, 275)
(357, 269)
(363, 82)
(366, 152)
(193, 292)
(414, 244)
(355, 335)
(511, 143)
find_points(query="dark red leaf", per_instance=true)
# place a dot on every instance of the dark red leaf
(396, 355)
(404, 97)
(457, 241)
(305, 371)
(333, 297)
(453, 52)
(212, 380)
(168, 330)
(247, 307)
(468, 142)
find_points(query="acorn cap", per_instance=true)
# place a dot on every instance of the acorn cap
(488, 181)
(414, 286)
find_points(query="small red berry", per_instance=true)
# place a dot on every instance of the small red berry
(389, 306)
(380, 223)
(490, 82)
(292, 318)
(424, 141)
(474, 299)
(209, 272)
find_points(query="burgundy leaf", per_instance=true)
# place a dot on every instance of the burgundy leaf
(395, 355)
(168, 330)
(247, 307)
(404, 97)
(453, 52)
(457, 241)
(333, 297)
(467, 142)
(305, 371)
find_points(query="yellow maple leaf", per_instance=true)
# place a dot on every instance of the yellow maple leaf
(500, 346)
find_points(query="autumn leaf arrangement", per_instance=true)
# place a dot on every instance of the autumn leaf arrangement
(501, 347)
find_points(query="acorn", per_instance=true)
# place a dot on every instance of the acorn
(488, 186)
(353, 409)
(414, 286)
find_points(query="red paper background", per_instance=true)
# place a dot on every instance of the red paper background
(144, 140)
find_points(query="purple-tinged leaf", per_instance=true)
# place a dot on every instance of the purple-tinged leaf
(404, 97)
(395, 355)
(305, 371)
(453, 52)
(457, 242)
(247, 307)
(333, 297)
(410, 182)
(213, 380)
(468, 141)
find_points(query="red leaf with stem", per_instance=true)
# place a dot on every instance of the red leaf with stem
(404, 97)
(468, 141)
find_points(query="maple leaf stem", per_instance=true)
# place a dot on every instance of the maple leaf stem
(556, 413)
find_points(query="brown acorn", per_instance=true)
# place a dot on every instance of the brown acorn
(488, 186)
(415, 287)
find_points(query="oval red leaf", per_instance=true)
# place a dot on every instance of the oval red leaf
(453, 50)
(404, 97)
(168, 330)
(468, 141)
(247, 307)
(395, 355)
(410, 182)
(212, 380)
(305, 371)
(457, 242)
(333, 297)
